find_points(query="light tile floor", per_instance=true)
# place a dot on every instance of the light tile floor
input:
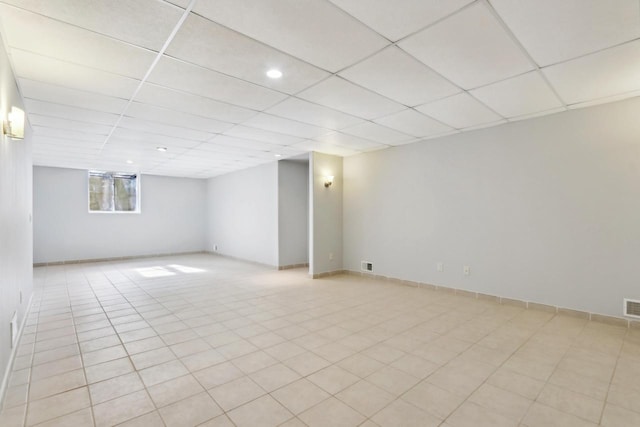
(204, 340)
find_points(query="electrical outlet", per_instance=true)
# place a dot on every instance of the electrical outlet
(441, 266)
(467, 270)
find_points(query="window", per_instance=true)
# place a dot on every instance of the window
(113, 192)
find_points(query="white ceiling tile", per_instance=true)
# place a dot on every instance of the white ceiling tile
(176, 118)
(344, 96)
(192, 104)
(202, 81)
(163, 129)
(70, 113)
(538, 114)
(413, 123)
(60, 123)
(48, 70)
(76, 98)
(399, 18)
(378, 133)
(307, 112)
(470, 48)
(286, 126)
(240, 143)
(307, 29)
(484, 125)
(145, 23)
(351, 142)
(524, 94)
(67, 134)
(459, 111)
(246, 132)
(213, 46)
(153, 139)
(326, 148)
(610, 72)
(69, 43)
(554, 31)
(397, 75)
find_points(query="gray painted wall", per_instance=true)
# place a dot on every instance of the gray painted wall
(544, 210)
(326, 214)
(293, 212)
(243, 214)
(172, 218)
(16, 272)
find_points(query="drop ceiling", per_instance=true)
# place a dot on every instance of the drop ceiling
(108, 81)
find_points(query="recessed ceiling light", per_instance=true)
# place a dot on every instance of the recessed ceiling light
(163, 149)
(130, 162)
(274, 74)
(277, 155)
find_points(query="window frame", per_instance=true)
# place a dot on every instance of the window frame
(138, 195)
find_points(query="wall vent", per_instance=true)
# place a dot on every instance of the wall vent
(632, 308)
(366, 266)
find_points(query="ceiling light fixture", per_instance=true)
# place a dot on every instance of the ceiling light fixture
(274, 74)
(163, 149)
(277, 155)
(130, 162)
(14, 126)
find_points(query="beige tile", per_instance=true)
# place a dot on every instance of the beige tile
(205, 359)
(434, 400)
(392, 380)
(217, 375)
(191, 411)
(333, 379)
(99, 343)
(285, 350)
(253, 362)
(57, 384)
(401, 413)
(152, 358)
(190, 347)
(300, 395)
(171, 391)
(107, 370)
(58, 405)
(55, 354)
(237, 349)
(472, 414)
(56, 367)
(415, 366)
(503, 402)
(365, 397)
(516, 383)
(274, 377)
(579, 383)
(13, 417)
(83, 417)
(144, 345)
(384, 353)
(16, 396)
(163, 372)
(540, 415)
(115, 387)
(615, 416)
(333, 352)
(571, 402)
(360, 365)
(122, 409)
(306, 363)
(264, 411)
(331, 412)
(236, 393)
(219, 421)
(104, 355)
(151, 419)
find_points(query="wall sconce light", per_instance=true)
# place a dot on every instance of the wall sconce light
(14, 126)
(328, 180)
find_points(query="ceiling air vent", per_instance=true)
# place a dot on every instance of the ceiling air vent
(632, 308)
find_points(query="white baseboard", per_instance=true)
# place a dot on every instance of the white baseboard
(7, 372)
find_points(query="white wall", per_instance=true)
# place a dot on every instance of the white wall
(172, 218)
(243, 214)
(293, 212)
(545, 210)
(326, 214)
(16, 272)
